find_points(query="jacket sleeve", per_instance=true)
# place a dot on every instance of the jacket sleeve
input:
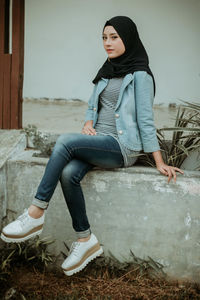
(90, 110)
(144, 110)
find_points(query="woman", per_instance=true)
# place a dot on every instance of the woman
(118, 125)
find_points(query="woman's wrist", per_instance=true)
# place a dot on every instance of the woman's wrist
(89, 122)
(158, 158)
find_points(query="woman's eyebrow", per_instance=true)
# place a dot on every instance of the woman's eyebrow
(110, 33)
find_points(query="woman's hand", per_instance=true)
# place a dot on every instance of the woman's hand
(165, 169)
(168, 171)
(88, 128)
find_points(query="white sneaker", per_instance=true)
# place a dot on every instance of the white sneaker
(81, 253)
(23, 228)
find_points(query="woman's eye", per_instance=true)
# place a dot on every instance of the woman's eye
(113, 37)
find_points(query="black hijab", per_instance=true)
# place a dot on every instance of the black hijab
(134, 58)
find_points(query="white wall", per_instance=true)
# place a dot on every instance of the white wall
(63, 45)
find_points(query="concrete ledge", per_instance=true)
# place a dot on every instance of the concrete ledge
(131, 208)
(11, 143)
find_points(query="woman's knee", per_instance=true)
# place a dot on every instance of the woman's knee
(63, 138)
(74, 172)
(69, 175)
(66, 139)
(62, 141)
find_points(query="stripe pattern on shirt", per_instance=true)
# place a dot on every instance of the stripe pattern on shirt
(106, 124)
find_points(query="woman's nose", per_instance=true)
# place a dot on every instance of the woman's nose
(108, 42)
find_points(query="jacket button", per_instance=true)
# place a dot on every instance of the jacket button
(94, 109)
(117, 115)
(120, 131)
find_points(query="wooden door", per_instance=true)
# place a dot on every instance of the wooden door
(11, 63)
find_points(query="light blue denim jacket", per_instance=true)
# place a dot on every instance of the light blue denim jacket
(133, 112)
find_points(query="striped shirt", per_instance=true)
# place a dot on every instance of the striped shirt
(106, 118)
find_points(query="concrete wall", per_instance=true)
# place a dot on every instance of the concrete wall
(63, 45)
(131, 208)
(3, 192)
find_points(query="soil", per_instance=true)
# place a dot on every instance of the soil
(94, 284)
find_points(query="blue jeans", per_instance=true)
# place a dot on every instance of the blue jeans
(74, 154)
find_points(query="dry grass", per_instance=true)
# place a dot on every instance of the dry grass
(30, 275)
(34, 284)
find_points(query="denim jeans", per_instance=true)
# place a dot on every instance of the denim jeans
(74, 154)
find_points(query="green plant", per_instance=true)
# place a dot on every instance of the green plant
(185, 137)
(32, 252)
(194, 107)
(40, 141)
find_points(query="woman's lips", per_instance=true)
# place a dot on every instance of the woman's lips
(109, 50)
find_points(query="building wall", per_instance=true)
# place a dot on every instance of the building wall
(63, 45)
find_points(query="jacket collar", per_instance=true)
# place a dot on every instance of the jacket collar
(104, 82)
(127, 79)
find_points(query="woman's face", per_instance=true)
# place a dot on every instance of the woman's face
(112, 42)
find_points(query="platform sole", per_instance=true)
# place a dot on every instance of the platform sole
(84, 264)
(8, 239)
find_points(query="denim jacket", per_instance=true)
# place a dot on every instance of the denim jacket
(133, 111)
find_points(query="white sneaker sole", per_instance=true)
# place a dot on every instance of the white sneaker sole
(19, 240)
(83, 265)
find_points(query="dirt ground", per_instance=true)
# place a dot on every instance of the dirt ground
(95, 284)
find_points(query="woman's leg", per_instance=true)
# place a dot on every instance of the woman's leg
(70, 179)
(72, 157)
(101, 151)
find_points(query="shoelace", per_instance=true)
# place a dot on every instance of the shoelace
(74, 248)
(23, 217)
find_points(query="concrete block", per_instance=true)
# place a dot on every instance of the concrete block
(133, 208)
(3, 192)
(12, 142)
